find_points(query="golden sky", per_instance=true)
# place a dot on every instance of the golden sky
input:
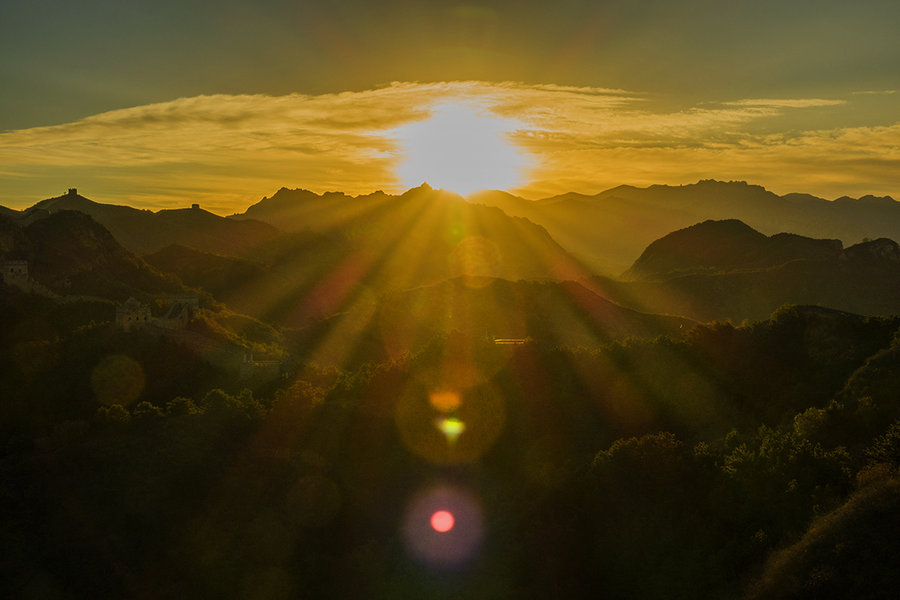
(227, 151)
(162, 103)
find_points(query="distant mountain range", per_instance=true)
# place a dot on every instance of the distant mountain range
(605, 232)
(608, 230)
(298, 257)
(144, 231)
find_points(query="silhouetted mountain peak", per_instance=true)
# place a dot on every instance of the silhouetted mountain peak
(725, 245)
(68, 201)
(701, 246)
(289, 196)
(716, 184)
(868, 199)
(425, 191)
(882, 249)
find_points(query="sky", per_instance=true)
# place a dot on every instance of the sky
(161, 104)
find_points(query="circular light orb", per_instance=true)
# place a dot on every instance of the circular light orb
(460, 148)
(442, 521)
(118, 379)
(443, 527)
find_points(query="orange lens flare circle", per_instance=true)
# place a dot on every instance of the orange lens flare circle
(462, 436)
(445, 401)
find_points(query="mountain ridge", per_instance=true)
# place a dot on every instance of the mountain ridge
(608, 230)
(143, 231)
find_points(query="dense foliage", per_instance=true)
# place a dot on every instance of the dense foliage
(758, 461)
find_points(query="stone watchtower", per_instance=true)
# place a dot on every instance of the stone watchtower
(73, 192)
(132, 314)
(14, 270)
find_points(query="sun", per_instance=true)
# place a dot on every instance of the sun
(460, 148)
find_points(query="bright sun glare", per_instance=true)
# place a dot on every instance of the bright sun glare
(460, 148)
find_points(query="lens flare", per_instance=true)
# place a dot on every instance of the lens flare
(445, 401)
(460, 437)
(118, 379)
(451, 427)
(442, 521)
(443, 527)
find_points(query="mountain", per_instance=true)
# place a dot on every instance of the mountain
(727, 270)
(724, 246)
(424, 235)
(9, 213)
(70, 253)
(342, 254)
(143, 231)
(609, 230)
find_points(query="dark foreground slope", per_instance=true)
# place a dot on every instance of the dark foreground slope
(650, 469)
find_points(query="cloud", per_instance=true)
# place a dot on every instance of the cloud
(787, 102)
(227, 151)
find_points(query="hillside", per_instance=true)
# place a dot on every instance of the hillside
(563, 314)
(477, 311)
(221, 276)
(9, 213)
(71, 254)
(704, 454)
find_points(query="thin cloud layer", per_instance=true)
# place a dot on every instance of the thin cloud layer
(228, 151)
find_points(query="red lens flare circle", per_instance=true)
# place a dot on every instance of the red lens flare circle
(442, 521)
(443, 527)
